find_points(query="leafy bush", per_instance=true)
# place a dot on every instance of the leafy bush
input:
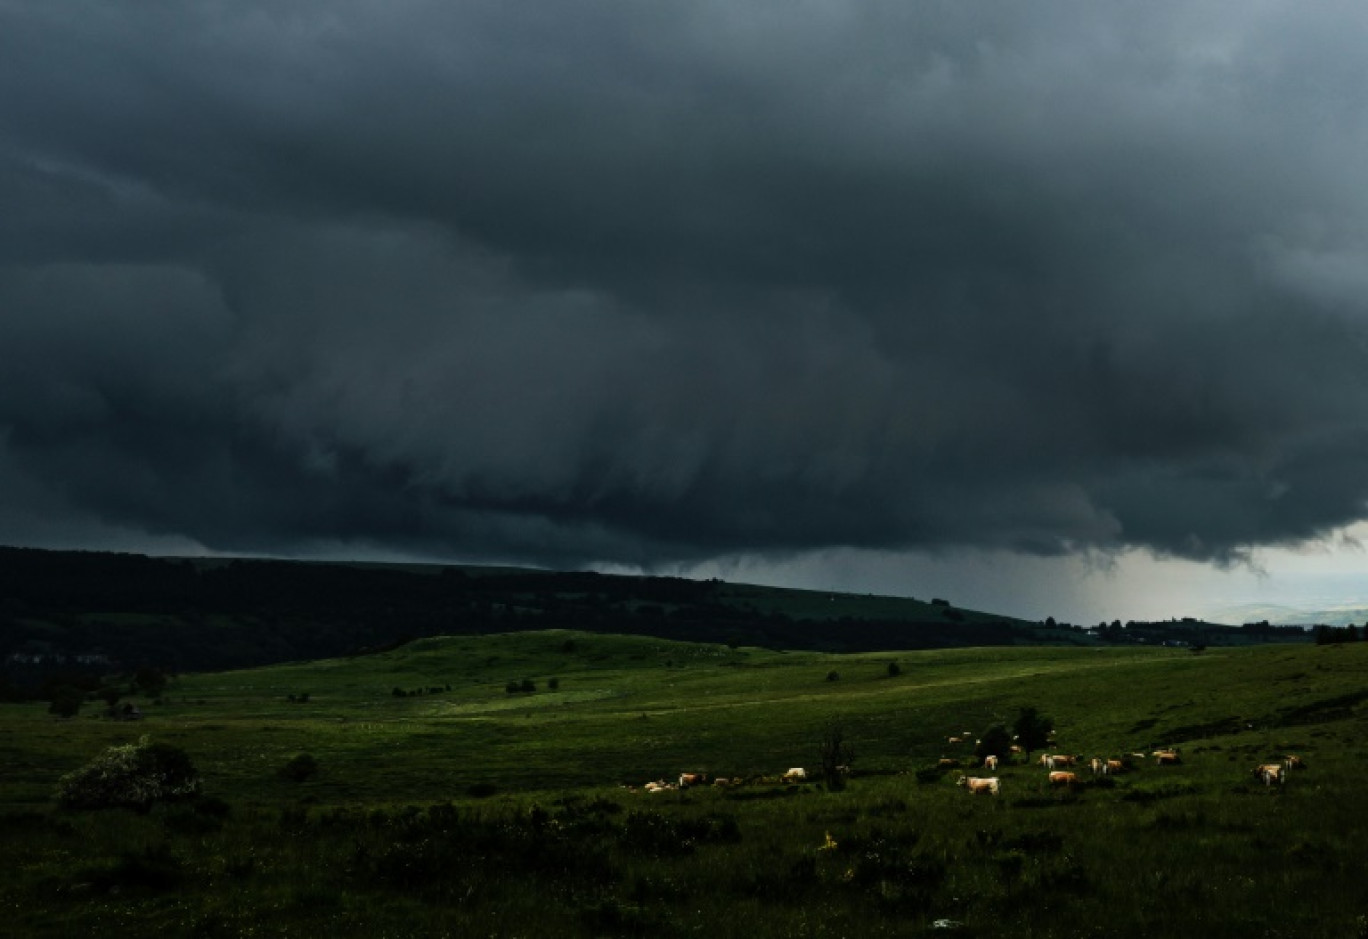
(135, 776)
(154, 869)
(994, 741)
(65, 703)
(299, 768)
(1032, 729)
(835, 756)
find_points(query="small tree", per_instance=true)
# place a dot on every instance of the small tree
(995, 741)
(135, 776)
(1032, 730)
(152, 681)
(66, 702)
(300, 768)
(894, 670)
(836, 755)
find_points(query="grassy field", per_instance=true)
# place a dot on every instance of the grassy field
(469, 809)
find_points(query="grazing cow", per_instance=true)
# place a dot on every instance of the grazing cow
(978, 784)
(954, 740)
(947, 763)
(1060, 759)
(990, 762)
(692, 779)
(1015, 748)
(1292, 761)
(1112, 767)
(1270, 773)
(1061, 778)
(795, 774)
(1097, 766)
(1166, 757)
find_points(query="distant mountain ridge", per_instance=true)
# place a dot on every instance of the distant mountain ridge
(86, 612)
(70, 608)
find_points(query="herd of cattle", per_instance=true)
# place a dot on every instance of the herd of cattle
(1063, 771)
(795, 774)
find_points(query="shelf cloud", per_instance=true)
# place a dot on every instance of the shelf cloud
(648, 284)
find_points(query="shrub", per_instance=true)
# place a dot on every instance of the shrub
(994, 741)
(930, 774)
(1032, 729)
(151, 681)
(66, 702)
(300, 768)
(136, 776)
(835, 754)
(154, 869)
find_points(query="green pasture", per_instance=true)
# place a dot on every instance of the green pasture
(467, 809)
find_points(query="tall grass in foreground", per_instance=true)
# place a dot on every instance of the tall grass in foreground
(1201, 854)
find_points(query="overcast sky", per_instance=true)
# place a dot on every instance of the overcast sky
(1044, 305)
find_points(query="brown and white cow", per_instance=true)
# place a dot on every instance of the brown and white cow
(1270, 773)
(1292, 761)
(1061, 778)
(692, 779)
(795, 774)
(979, 784)
(1112, 767)
(1166, 757)
(990, 762)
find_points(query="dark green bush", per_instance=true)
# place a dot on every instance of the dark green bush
(300, 768)
(66, 702)
(155, 869)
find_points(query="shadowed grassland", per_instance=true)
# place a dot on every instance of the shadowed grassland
(469, 809)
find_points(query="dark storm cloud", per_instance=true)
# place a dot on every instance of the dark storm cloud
(635, 283)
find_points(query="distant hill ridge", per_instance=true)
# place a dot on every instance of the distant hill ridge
(99, 610)
(200, 614)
